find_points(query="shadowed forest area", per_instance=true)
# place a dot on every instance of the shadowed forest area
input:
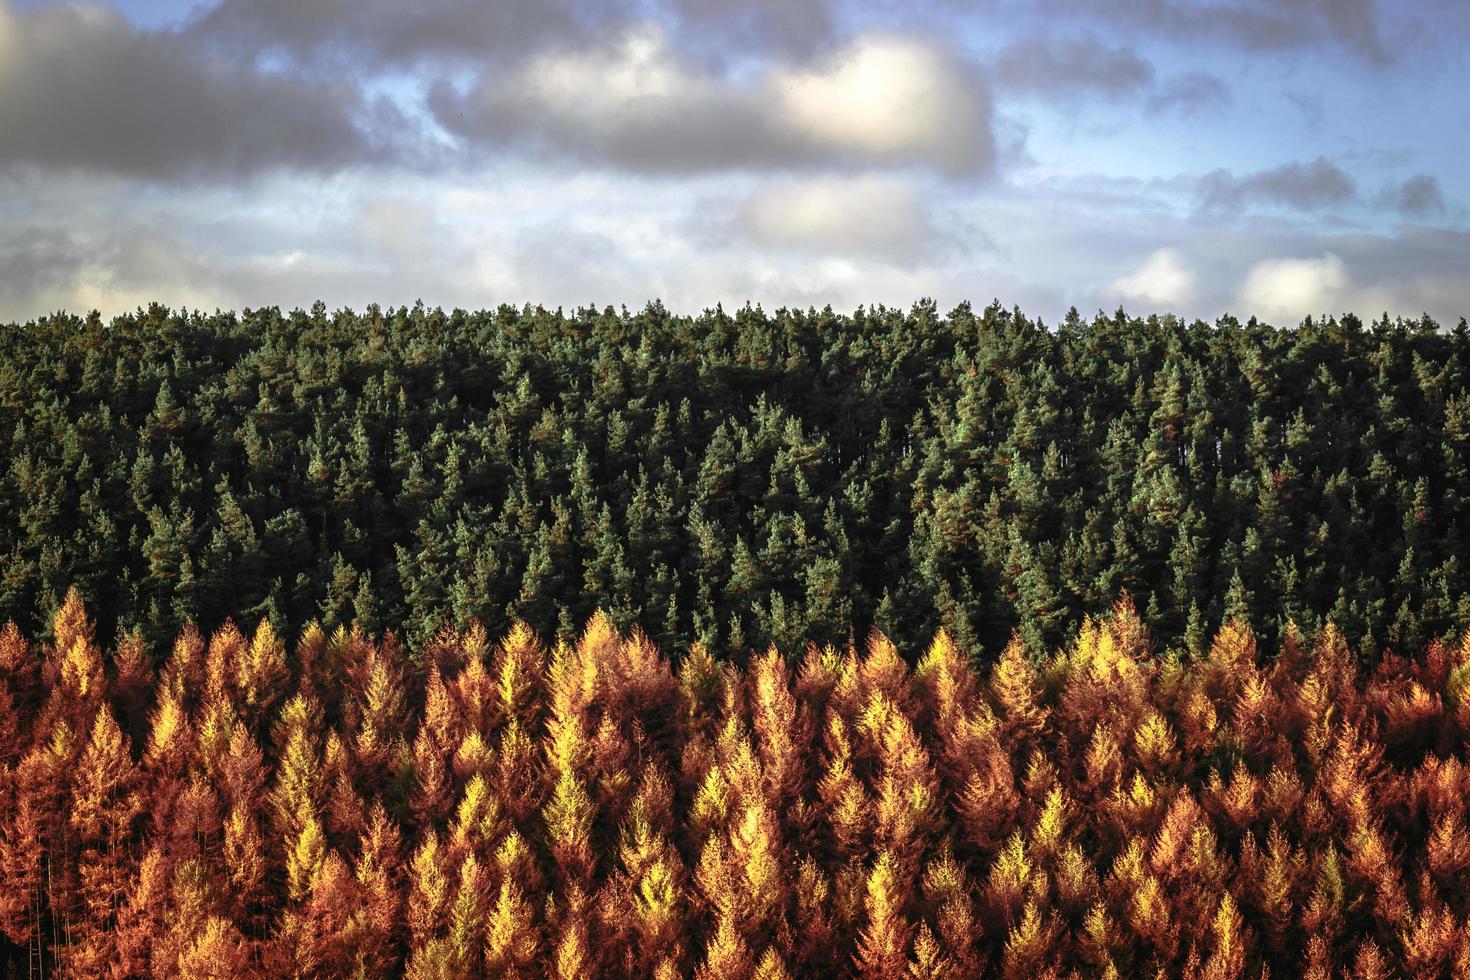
(736, 479)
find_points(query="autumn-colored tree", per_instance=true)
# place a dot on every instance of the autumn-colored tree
(299, 790)
(884, 946)
(105, 803)
(217, 951)
(1095, 813)
(261, 675)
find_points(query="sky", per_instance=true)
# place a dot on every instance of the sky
(1269, 158)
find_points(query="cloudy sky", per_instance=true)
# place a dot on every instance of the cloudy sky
(1269, 157)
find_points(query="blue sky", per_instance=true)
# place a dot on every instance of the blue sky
(1277, 158)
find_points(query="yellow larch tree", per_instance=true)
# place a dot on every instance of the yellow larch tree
(783, 732)
(105, 804)
(846, 804)
(428, 895)
(261, 675)
(883, 947)
(299, 788)
(512, 941)
(949, 897)
(653, 901)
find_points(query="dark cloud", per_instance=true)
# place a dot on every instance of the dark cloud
(1074, 70)
(701, 127)
(1419, 196)
(1303, 186)
(1434, 257)
(879, 101)
(335, 32)
(1190, 92)
(35, 263)
(1252, 24)
(80, 88)
(112, 264)
(399, 31)
(1309, 105)
(791, 26)
(1070, 69)
(405, 32)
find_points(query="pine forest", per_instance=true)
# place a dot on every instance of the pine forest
(529, 643)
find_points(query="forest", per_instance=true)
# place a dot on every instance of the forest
(504, 807)
(733, 646)
(739, 480)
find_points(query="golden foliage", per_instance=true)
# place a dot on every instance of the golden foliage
(509, 810)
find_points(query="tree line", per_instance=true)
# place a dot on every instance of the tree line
(736, 479)
(585, 808)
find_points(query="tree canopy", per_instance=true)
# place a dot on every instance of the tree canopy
(735, 478)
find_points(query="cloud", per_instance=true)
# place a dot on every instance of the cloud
(1291, 288)
(1309, 105)
(472, 30)
(1164, 280)
(342, 31)
(1420, 270)
(881, 100)
(396, 227)
(1189, 92)
(1418, 196)
(1303, 186)
(571, 266)
(111, 268)
(1062, 230)
(35, 265)
(289, 242)
(1075, 70)
(792, 26)
(1250, 24)
(528, 233)
(1415, 271)
(1072, 69)
(878, 217)
(472, 240)
(80, 88)
(890, 98)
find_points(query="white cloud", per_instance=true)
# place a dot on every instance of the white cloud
(1288, 289)
(523, 233)
(891, 99)
(396, 227)
(876, 216)
(1164, 280)
(592, 84)
(882, 100)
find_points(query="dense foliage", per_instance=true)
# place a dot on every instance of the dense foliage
(736, 479)
(503, 809)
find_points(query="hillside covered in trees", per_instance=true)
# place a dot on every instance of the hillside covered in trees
(733, 647)
(499, 809)
(736, 479)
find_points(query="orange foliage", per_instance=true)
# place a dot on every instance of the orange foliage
(341, 807)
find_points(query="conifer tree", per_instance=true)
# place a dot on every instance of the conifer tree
(104, 805)
(884, 945)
